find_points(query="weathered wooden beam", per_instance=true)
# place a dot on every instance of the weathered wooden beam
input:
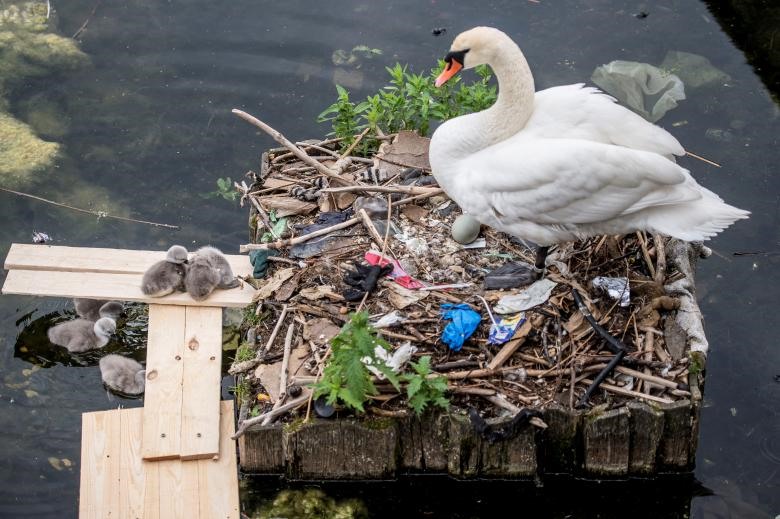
(606, 439)
(647, 425)
(561, 443)
(676, 439)
(341, 449)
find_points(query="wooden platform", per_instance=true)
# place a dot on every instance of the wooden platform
(175, 457)
(116, 482)
(94, 273)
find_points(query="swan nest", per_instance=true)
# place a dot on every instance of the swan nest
(554, 358)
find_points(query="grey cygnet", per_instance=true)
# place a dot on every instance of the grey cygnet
(218, 261)
(94, 309)
(208, 269)
(167, 276)
(122, 374)
(81, 335)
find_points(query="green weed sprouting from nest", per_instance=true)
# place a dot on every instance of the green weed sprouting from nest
(346, 377)
(422, 390)
(409, 102)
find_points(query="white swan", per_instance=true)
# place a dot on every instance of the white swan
(122, 374)
(564, 163)
(81, 335)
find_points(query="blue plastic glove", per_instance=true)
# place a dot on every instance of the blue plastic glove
(464, 323)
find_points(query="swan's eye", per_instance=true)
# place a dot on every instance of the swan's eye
(459, 56)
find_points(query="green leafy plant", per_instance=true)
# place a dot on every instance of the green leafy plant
(345, 377)
(409, 102)
(244, 352)
(241, 390)
(422, 390)
(224, 189)
(279, 226)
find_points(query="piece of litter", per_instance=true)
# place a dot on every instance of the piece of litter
(479, 243)
(534, 295)
(398, 274)
(510, 275)
(647, 90)
(617, 288)
(395, 360)
(388, 320)
(40, 237)
(446, 287)
(504, 329)
(464, 321)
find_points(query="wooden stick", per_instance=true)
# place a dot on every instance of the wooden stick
(627, 392)
(411, 190)
(281, 139)
(283, 374)
(433, 192)
(292, 404)
(509, 348)
(423, 168)
(300, 239)
(99, 214)
(702, 159)
(276, 329)
(645, 253)
(355, 143)
(479, 391)
(369, 225)
(658, 381)
(660, 258)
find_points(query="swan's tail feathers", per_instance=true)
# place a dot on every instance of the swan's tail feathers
(696, 221)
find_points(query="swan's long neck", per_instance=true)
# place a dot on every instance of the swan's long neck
(470, 133)
(515, 102)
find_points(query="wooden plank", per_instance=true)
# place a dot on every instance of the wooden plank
(100, 461)
(123, 287)
(179, 491)
(131, 467)
(91, 259)
(201, 383)
(219, 477)
(163, 395)
(152, 489)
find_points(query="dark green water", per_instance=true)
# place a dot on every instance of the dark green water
(149, 128)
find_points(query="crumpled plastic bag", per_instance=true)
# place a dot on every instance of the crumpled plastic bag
(647, 90)
(617, 288)
(464, 324)
(694, 70)
(394, 360)
(536, 294)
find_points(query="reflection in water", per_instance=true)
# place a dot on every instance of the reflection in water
(146, 130)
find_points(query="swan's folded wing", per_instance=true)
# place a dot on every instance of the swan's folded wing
(579, 112)
(563, 181)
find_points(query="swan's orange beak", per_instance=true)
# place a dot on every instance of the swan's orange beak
(452, 68)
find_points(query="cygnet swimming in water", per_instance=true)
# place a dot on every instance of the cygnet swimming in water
(94, 309)
(122, 374)
(166, 276)
(81, 335)
(208, 269)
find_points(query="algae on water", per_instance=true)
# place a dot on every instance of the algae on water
(22, 153)
(28, 51)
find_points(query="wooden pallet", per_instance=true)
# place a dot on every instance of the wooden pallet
(116, 482)
(173, 458)
(93, 273)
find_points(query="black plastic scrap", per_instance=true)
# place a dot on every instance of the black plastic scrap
(315, 246)
(511, 275)
(363, 279)
(613, 343)
(503, 431)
